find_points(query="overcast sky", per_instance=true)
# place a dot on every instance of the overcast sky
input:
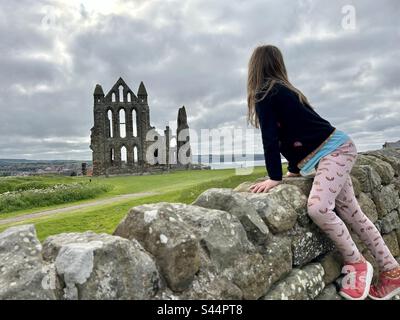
(192, 53)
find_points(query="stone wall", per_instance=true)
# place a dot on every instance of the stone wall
(228, 244)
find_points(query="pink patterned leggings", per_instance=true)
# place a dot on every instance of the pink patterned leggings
(332, 187)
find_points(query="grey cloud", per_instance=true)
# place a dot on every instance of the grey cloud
(193, 54)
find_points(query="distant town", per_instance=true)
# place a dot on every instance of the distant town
(23, 167)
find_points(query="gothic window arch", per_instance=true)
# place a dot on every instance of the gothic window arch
(173, 149)
(112, 156)
(134, 122)
(124, 156)
(135, 154)
(122, 123)
(121, 93)
(110, 123)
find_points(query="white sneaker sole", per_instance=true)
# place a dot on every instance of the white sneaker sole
(388, 297)
(368, 280)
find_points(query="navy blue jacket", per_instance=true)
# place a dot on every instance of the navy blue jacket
(290, 128)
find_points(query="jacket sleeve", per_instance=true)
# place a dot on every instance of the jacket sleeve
(292, 167)
(269, 133)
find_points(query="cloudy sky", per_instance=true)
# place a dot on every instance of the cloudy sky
(192, 53)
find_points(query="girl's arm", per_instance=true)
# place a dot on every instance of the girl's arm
(290, 174)
(269, 133)
(292, 168)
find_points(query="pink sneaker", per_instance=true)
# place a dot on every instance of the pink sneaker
(357, 281)
(387, 287)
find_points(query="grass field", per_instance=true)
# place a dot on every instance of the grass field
(180, 186)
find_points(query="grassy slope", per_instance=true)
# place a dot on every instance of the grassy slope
(160, 183)
(182, 187)
(13, 183)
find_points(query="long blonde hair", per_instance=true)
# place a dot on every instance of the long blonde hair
(266, 67)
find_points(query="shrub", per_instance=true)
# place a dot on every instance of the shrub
(9, 184)
(30, 185)
(56, 194)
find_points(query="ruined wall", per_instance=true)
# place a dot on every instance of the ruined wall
(228, 244)
(119, 138)
(106, 139)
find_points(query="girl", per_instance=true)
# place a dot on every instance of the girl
(290, 125)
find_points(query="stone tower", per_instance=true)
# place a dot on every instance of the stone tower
(181, 125)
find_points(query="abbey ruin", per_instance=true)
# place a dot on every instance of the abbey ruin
(124, 142)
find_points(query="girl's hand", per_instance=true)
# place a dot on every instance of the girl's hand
(264, 186)
(291, 174)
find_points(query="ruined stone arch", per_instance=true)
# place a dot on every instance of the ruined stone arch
(122, 117)
(173, 144)
(124, 155)
(109, 118)
(121, 90)
(135, 154)
(135, 122)
(112, 156)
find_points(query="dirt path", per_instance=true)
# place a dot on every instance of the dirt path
(75, 207)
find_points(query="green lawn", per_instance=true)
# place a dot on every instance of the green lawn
(160, 183)
(165, 182)
(181, 186)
